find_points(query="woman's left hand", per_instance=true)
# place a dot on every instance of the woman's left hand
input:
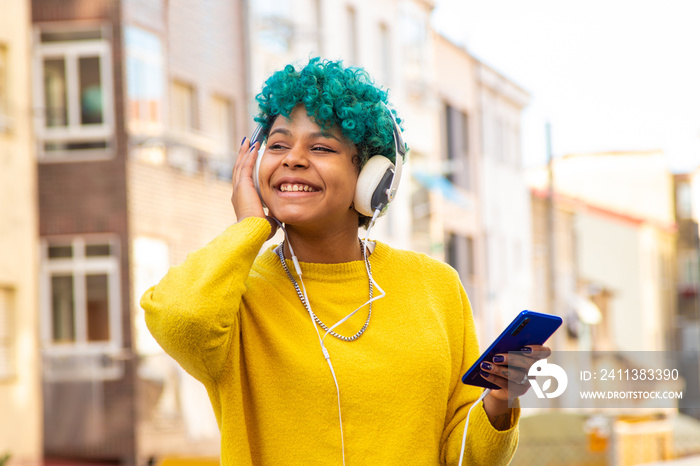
(509, 371)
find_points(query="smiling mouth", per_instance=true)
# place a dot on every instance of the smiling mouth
(293, 188)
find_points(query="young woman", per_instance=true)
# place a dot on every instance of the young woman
(292, 379)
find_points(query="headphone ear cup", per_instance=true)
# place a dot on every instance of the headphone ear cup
(372, 183)
(256, 175)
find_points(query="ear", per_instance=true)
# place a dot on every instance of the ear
(357, 161)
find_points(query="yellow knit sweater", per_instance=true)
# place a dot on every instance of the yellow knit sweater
(233, 320)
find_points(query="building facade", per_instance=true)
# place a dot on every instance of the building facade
(622, 232)
(20, 359)
(456, 169)
(141, 103)
(687, 334)
(504, 201)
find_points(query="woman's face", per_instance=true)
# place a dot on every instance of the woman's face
(307, 176)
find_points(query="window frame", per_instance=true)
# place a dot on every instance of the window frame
(79, 266)
(146, 58)
(72, 51)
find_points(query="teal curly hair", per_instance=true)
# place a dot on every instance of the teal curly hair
(333, 96)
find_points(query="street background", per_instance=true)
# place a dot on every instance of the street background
(555, 164)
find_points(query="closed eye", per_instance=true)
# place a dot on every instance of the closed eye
(323, 149)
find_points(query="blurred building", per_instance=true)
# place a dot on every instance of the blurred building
(20, 376)
(452, 174)
(502, 191)
(687, 197)
(480, 206)
(479, 201)
(142, 106)
(614, 236)
(687, 335)
(139, 107)
(555, 269)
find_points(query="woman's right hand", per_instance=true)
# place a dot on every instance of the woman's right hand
(245, 199)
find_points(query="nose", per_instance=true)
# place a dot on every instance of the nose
(295, 157)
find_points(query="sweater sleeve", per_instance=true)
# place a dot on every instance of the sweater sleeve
(485, 444)
(193, 313)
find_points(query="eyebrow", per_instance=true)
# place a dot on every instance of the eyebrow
(317, 134)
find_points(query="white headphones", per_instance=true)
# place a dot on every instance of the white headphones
(378, 180)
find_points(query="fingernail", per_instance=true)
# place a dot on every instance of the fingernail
(526, 350)
(243, 141)
(484, 374)
(252, 147)
(487, 366)
(498, 358)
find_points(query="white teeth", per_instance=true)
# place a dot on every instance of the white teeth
(296, 188)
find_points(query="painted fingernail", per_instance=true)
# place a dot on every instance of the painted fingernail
(243, 141)
(484, 374)
(526, 350)
(252, 147)
(487, 366)
(499, 358)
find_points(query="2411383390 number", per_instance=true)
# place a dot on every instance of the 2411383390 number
(639, 374)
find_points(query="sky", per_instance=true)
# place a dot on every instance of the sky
(608, 75)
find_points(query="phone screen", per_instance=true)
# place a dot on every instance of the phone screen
(528, 328)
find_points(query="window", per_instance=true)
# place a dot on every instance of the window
(273, 25)
(457, 129)
(469, 245)
(689, 269)
(319, 25)
(81, 295)
(145, 81)
(684, 200)
(4, 90)
(151, 259)
(352, 35)
(420, 210)
(414, 43)
(222, 124)
(182, 106)
(459, 253)
(7, 356)
(451, 250)
(221, 160)
(385, 55)
(75, 90)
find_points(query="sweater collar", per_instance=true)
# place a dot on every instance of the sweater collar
(270, 261)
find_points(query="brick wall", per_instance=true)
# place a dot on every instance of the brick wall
(185, 211)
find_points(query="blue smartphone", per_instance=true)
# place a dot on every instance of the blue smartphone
(528, 328)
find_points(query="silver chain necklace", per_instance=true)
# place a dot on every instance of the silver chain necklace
(280, 253)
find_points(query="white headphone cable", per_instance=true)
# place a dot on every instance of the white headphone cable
(466, 424)
(326, 355)
(381, 294)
